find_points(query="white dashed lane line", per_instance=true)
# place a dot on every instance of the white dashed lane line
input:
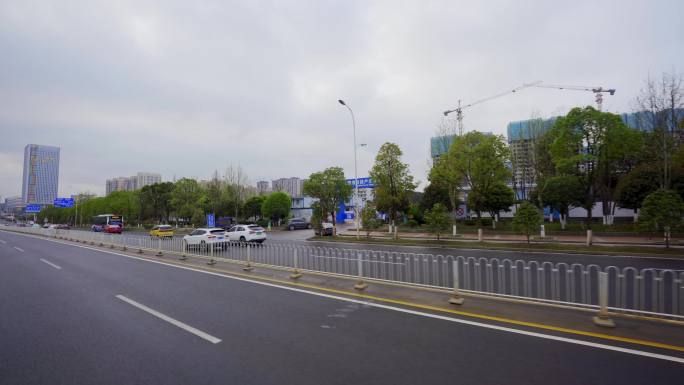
(19, 248)
(51, 264)
(170, 320)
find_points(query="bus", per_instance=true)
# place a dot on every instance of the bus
(108, 223)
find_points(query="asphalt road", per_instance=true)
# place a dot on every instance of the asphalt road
(71, 315)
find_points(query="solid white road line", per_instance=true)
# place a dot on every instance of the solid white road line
(51, 264)
(402, 310)
(170, 320)
(19, 248)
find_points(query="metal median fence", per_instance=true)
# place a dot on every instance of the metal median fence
(652, 292)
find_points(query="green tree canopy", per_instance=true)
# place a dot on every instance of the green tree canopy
(277, 206)
(499, 197)
(369, 218)
(437, 219)
(597, 148)
(393, 183)
(155, 201)
(330, 188)
(561, 192)
(437, 192)
(662, 210)
(253, 206)
(478, 161)
(186, 197)
(527, 219)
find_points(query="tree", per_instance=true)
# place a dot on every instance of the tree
(186, 197)
(527, 219)
(155, 201)
(596, 147)
(236, 183)
(253, 206)
(198, 218)
(436, 193)
(560, 193)
(437, 219)
(393, 183)
(445, 180)
(478, 161)
(636, 186)
(499, 198)
(317, 217)
(369, 218)
(276, 206)
(660, 106)
(331, 189)
(662, 210)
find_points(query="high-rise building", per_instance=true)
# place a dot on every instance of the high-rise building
(41, 174)
(118, 184)
(263, 187)
(143, 179)
(12, 204)
(135, 182)
(293, 186)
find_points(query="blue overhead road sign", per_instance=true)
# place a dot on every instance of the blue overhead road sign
(32, 208)
(64, 202)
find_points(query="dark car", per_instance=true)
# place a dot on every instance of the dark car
(298, 223)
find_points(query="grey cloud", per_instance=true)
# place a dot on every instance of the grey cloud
(184, 89)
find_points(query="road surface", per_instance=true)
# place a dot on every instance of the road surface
(72, 315)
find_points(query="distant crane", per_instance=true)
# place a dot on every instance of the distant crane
(459, 110)
(598, 91)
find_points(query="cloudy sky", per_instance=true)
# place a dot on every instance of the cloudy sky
(186, 88)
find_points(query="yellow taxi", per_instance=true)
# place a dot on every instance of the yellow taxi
(162, 231)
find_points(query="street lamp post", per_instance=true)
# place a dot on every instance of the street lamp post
(356, 177)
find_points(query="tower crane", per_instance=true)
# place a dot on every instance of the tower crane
(598, 91)
(459, 109)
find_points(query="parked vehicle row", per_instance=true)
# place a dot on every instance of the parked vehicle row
(216, 236)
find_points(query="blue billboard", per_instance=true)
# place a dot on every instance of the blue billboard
(210, 220)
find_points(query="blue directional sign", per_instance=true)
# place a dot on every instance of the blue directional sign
(32, 208)
(210, 220)
(64, 202)
(362, 182)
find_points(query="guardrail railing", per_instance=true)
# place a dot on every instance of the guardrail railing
(653, 292)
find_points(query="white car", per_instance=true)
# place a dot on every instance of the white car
(206, 236)
(246, 233)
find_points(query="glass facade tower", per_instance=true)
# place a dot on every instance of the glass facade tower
(41, 174)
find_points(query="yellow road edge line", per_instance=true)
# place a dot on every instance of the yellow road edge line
(432, 308)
